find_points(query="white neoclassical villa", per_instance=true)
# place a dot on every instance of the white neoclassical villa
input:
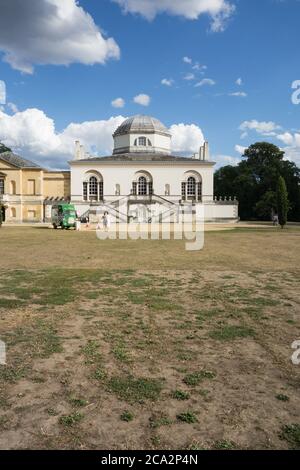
(143, 173)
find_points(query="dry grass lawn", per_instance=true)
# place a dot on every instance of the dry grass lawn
(142, 345)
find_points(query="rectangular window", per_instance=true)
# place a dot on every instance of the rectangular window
(150, 188)
(101, 190)
(85, 191)
(31, 187)
(1, 186)
(199, 191)
(183, 191)
(142, 141)
(134, 188)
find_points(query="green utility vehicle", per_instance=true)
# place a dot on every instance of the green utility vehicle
(64, 216)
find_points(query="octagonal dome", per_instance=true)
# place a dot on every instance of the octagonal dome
(141, 124)
(142, 134)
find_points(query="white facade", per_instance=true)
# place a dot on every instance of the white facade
(118, 179)
(142, 171)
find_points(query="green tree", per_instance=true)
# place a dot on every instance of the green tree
(255, 179)
(267, 205)
(3, 148)
(282, 202)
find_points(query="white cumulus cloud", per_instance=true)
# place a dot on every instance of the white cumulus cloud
(2, 92)
(289, 139)
(240, 94)
(32, 134)
(142, 99)
(218, 10)
(224, 160)
(167, 81)
(118, 103)
(199, 67)
(292, 142)
(189, 76)
(292, 154)
(205, 82)
(266, 128)
(240, 149)
(186, 138)
(51, 32)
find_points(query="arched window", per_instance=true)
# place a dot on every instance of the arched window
(142, 186)
(191, 187)
(13, 187)
(142, 141)
(93, 187)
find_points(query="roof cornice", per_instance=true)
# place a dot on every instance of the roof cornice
(99, 161)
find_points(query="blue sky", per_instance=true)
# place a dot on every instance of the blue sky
(258, 43)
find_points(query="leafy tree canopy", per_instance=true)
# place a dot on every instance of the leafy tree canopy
(254, 182)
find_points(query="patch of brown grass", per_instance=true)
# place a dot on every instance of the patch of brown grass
(205, 337)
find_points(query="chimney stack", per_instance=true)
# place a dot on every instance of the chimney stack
(206, 151)
(201, 153)
(82, 152)
(77, 150)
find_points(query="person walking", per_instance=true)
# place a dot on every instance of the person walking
(275, 220)
(78, 225)
(106, 221)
